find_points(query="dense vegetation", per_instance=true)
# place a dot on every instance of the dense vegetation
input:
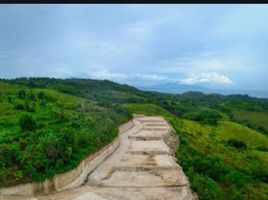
(44, 132)
(223, 139)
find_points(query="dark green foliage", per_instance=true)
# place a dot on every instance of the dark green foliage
(201, 170)
(262, 148)
(206, 117)
(19, 106)
(237, 144)
(204, 186)
(9, 98)
(91, 89)
(21, 94)
(237, 178)
(32, 96)
(27, 123)
(10, 154)
(41, 96)
(44, 132)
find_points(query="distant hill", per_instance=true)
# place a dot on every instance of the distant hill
(177, 88)
(174, 88)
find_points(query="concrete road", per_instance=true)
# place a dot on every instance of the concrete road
(142, 168)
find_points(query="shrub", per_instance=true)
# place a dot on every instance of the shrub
(19, 106)
(4, 156)
(206, 187)
(234, 193)
(34, 162)
(9, 98)
(21, 94)
(27, 123)
(237, 144)
(10, 154)
(206, 117)
(32, 96)
(237, 178)
(262, 148)
(29, 108)
(41, 95)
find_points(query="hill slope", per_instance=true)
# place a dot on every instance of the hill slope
(223, 161)
(223, 146)
(44, 132)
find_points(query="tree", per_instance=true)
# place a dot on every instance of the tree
(22, 94)
(27, 123)
(32, 96)
(9, 99)
(237, 143)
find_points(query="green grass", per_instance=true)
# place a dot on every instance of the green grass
(254, 119)
(148, 109)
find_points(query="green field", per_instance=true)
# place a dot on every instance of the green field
(48, 126)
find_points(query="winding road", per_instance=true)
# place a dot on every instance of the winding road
(141, 168)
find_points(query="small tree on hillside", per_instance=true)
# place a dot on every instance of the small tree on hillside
(27, 123)
(21, 94)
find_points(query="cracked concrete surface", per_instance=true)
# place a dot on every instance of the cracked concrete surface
(142, 168)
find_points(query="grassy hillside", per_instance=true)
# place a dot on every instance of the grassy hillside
(223, 161)
(104, 92)
(223, 139)
(44, 132)
(254, 119)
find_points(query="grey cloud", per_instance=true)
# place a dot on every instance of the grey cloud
(145, 42)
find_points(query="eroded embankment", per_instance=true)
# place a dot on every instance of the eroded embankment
(142, 167)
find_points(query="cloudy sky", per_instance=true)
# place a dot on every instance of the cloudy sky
(220, 46)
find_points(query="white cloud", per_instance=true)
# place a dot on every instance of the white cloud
(201, 78)
(220, 62)
(211, 78)
(149, 77)
(106, 74)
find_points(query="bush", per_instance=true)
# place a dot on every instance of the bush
(237, 178)
(233, 193)
(41, 96)
(237, 144)
(206, 187)
(10, 154)
(262, 148)
(29, 108)
(19, 107)
(27, 123)
(34, 162)
(32, 96)
(206, 117)
(9, 98)
(21, 94)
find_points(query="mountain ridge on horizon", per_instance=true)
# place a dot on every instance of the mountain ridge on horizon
(170, 88)
(178, 88)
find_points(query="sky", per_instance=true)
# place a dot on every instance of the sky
(216, 46)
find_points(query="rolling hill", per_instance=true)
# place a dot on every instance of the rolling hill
(223, 139)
